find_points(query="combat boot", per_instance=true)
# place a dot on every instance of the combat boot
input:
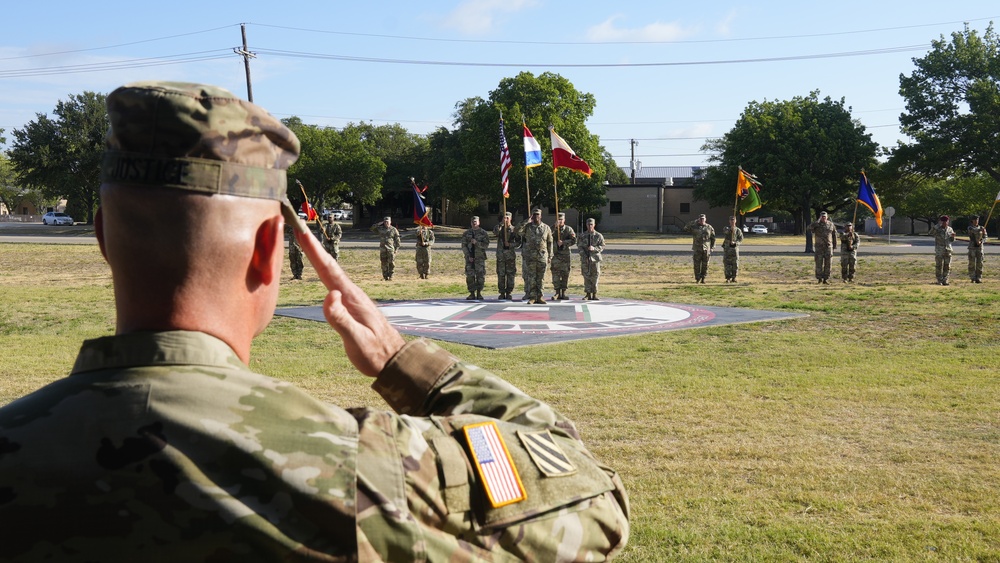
(562, 295)
(479, 295)
(540, 300)
(593, 297)
(471, 297)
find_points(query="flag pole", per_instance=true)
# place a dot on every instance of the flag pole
(990, 214)
(736, 203)
(555, 189)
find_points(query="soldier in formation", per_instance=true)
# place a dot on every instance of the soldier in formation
(824, 243)
(475, 241)
(536, 250)
(591, 244)
(295, 257)
(508, 241)
(849, 242)
(332, 233)
(977, 236)
(165, 436)
(388, 244)
(562, 252)
(732, 238)
(702, 244)
(943, 235)
(425, 240)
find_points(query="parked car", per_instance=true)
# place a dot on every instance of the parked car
(56, 218)
(759, 229)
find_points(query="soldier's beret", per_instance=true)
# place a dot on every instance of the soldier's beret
(198, 138)
(944, 218)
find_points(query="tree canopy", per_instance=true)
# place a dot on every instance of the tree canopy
(61, 157)
(953, 106)
(472, 171)
(807, 152)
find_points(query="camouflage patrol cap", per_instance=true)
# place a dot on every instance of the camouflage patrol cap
(536, 211)
(198, 138)
(560, 215)
(702, 216)
(591, 221)
(387, 218)
(822, 214)
(508, 215)
(475, 218)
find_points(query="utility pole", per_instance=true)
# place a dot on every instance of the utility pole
(247, 55)
(636, 165)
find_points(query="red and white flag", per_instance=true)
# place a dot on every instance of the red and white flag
(564, 157)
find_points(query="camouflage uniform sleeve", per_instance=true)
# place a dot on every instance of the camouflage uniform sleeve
(711, 237)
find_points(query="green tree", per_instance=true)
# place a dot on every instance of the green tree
(953, 106)
(62, 156)
(10, 192)
(404, 155)
(334, 166)
(540, 101)
(807, 152)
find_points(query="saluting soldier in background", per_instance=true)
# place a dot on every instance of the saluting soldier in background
(425, 240)
(562, 253)
(475, 241)
(508, 241)
(849, 243)
(388, 244)
(536, 250)
(702, 243)
(591, 244)
(943, 237)
(977, 236)
(824, 243)
(731, 249)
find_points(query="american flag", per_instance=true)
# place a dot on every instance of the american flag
(504, 162)
(495, 467)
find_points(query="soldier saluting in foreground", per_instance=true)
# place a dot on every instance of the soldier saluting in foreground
(163, 443)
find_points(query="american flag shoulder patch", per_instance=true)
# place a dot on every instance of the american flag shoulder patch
(546, 453)
(496, 469)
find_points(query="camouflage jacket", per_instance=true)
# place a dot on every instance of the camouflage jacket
(536, 241)
(425, 237)
(513, 239)
(824, 235)
(588, 239)
(166, 447)
(849, 242)
(481, 238)
(703, 236)
(942, 237)
(568, 238)
(332, 231)
(732, 238)
(388, 237)
(977, 235)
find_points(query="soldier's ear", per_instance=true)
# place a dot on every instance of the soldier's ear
(268, 251)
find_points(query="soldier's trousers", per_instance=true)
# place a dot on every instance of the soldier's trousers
(942, 265)
(701, 258)
(731, 262)
(423, 260)
(976, 263)
(333, 248)
(388, 259)
(591, 274)
(848, 264)
(506, 271)
(295, 261)
(534, 278)
(823, 258)
(560, 271)
(475, 275)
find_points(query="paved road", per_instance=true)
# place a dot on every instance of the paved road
(82, 234)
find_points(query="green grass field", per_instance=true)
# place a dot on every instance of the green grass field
(869, 430)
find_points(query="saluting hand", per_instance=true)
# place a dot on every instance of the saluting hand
(369, 340)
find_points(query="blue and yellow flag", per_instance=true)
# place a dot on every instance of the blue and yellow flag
(868, 198)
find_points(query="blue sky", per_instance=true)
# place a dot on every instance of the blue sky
(672, 74)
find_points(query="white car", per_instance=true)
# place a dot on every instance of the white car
(55, 218)
(759, 229)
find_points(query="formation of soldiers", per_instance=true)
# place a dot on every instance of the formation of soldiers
(544, 248)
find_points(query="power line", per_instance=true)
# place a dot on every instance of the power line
(68, 52)
(119, 65)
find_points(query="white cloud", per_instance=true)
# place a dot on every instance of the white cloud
(725, 26)
(656, 31)
(477, 17)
